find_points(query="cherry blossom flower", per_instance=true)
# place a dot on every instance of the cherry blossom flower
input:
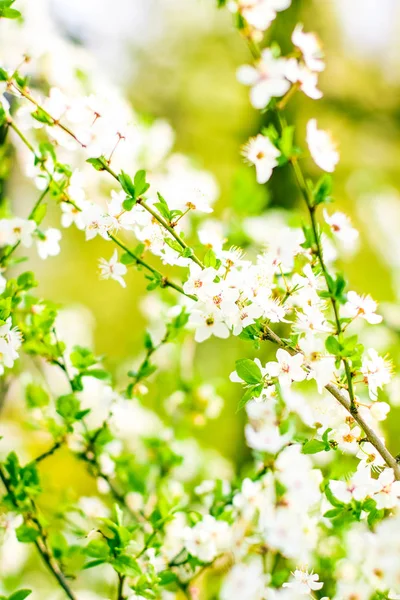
(10, 342)
(254, 497)
(96, 222)
(200, 281)
(322, 367)
(267, 79)
(208, 322)
(207, 538)
(362, 306)
(310, 47)
(358, 487)
(379, 410)
(260, 152)
(342, 229)
(377, 372)
(347, 437)
(304, 583)
(369, 456)
(307, 80)
(288, 368)
(48, 244)
(73, 214)
(245, 581)
(322, 147)
(259, 13)
(113, 269)
(388, 492)
(16, 230)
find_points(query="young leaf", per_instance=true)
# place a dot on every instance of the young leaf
(97, 163)
(141, 185)
(127, 184)
(20, 595)
(249, 371)
(36, 396)
(314, 446)
(26, 534)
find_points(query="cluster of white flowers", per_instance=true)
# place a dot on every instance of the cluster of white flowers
(10, 342)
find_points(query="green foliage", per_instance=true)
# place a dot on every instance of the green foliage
(36, 396)
(134, 189)
(249, 371)
(315, 446)
(322, 190)
(97, 163)
(251, 374)
(164, 211)
(42, 116)
(26, 534)
(19, 595)
(7, 12)
(347, 347)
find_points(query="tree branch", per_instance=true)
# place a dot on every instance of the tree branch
(372, 437)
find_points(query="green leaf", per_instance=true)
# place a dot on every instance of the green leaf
(127, 184)
(3, 116)
(129, 203)
(97, 163)
(3, 74)
(7, 12)
(67, 406)
(126, 565)
(42, 116)
(36, 396)
(127, 259)
(26, 280)
(334, 512)
(82, 358)
(252, 392)
(332, 345)
(97, 549)
(286, 141)
(97, 373)
(323, 190)
(162, 207)
(334, 501)
(313, 447)
(93, 563)
(249, 371)
(20, 595)
(26, 534)
(210, 259)
(140, 183)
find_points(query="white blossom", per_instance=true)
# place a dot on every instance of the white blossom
(362, 306)
(288, 368)
(322, 147)
(16, 230)
(377, 372)
(261, 152)
(310, 47)
(267, 79)
(113, 269)
(304, 583)
(48, 243)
